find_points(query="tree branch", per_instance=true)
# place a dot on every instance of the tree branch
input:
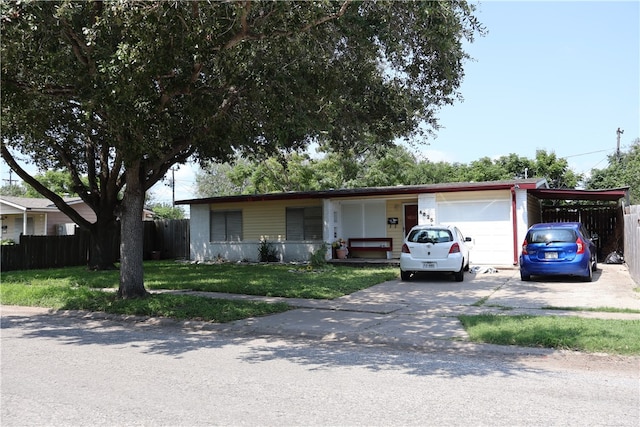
(56, 199)
(245, 32)
(80, 48)
(178, 154)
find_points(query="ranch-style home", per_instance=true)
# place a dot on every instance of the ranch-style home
(31, 216)
(373, 221)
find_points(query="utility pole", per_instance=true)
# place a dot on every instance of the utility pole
(10, 180)
(618, 133)
(173, 186)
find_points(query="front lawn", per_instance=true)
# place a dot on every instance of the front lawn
(76, 288)
(559, 332)
(281, 280)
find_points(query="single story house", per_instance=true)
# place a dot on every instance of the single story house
(32, 216)
(373, 221)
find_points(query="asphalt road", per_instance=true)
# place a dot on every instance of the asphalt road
(393, 354)
(60, 370)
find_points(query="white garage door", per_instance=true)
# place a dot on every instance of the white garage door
(488, 223)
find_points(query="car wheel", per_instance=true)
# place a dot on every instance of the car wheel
(466, 267)
(589, 276)
(458, 276)
(525, 277)
(595, 263)
(405, 275)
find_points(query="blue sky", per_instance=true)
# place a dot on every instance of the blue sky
(560, 76)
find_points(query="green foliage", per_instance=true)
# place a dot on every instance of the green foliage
(249, 279)
(221, 179)
(378, 168)
(623, 171)
(318, 258)
(119, 92)
(15, 190)
(555, 170)
(58, 181)
(65, 297)
(267, 252)
(570, 333)
(167, 211)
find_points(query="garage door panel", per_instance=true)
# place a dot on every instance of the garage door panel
(488, 223)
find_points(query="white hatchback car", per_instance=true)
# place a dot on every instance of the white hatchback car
(434, 248)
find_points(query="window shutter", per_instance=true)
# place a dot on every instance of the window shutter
(295, 224)
(218, 226)
(234, 226)
(313, 223)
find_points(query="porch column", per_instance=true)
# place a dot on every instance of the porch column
(24, 223)
(328, 224)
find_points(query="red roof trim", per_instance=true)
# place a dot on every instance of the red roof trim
(374, 191)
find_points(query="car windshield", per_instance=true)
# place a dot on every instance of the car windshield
(430, 236)
(552, 235)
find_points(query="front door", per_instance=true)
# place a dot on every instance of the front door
(410, 217)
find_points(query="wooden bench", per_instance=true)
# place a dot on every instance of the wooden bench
(370, 244)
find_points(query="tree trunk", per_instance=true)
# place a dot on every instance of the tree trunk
(131, 237)
(103, 239)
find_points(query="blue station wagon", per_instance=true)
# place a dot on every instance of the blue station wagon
(562, 248)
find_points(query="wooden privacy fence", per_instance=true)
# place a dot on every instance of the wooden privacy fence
(167, 239)
(163, 239)
(604, 220)
(632, 241)
(35, 252)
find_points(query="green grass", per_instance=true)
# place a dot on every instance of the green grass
(597, 309)
(63, 297)
(259, 279)
(570, 333)
(77, 288)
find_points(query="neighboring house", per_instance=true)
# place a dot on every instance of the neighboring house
(496, 215)
(40, 217)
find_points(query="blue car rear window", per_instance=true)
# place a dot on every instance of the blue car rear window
(551, 235)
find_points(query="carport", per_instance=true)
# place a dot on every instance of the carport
(601, 211)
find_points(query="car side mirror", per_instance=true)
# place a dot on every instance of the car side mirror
(467, 239)
(594, 236)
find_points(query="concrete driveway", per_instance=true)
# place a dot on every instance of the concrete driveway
(423, 312)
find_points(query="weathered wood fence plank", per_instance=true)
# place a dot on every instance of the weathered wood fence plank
(163, 239)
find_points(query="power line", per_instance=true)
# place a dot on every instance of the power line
(585, 154)
(10, 180)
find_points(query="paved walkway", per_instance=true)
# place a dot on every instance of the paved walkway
(423, 313)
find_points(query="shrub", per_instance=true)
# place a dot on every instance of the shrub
(319, 257)
(267, 252)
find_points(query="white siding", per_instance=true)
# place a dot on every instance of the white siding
(427, 209)
(199, 232)
(486, 218)
(261, 220)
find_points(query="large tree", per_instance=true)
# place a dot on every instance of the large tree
(623, 170)
(120, 91)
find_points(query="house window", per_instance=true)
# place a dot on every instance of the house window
(226, 226)
(304, 223)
